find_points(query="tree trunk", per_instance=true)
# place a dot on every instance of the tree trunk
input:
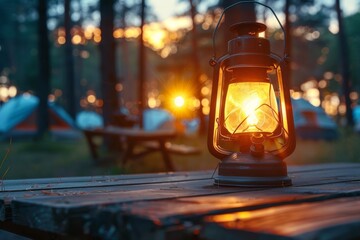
(288, 35)
(142, 66)
(344, 61)
(43, 85)
(69, 93)
(107, 61)
(124, 51)
(196, 69)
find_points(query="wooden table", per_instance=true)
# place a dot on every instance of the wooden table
(323, 203)
(132, 138)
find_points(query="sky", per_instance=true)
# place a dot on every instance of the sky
(165, 9)
(349, 6)
(168, 9)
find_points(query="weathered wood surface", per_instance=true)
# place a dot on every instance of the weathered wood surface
(331, 219)
(323, 201)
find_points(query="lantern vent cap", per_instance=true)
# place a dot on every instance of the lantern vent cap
(247, 28)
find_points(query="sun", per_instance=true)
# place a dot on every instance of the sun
(179, 101)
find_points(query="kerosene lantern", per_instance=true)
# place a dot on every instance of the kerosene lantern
(251, 127)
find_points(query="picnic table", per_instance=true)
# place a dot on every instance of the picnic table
(150, 141)
(323, 203)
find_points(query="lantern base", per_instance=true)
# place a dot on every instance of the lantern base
(248, 171)
(235, 181)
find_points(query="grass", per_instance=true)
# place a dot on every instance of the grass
(49, 158)
(63, 158)
(345, 149)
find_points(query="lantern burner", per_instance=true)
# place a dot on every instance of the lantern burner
(257, 147)
(248, 28)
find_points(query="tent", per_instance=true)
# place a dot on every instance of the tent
(312, 122)
(356, 113)
(16, 110)
(89, 120)
(156, 118)
(18, 118)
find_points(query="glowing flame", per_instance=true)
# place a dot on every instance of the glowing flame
(252, 103)
(250, 107)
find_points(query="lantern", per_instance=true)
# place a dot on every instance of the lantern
(251, 127)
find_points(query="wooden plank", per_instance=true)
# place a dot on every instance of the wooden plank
(99, 181)
(321, 167)
(321, 176)
(332, 219)
(296, 172)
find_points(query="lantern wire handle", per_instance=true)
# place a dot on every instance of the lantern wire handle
(216, 168)
(247, 2)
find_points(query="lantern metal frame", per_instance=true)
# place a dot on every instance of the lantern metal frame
(256, 167)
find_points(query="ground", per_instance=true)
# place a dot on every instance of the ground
(62, 158)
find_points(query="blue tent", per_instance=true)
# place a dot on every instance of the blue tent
(312, 122)
(16, 110)
(18, 117)
(89, 120)
(356, 113)
(155, 118)
(62, 114)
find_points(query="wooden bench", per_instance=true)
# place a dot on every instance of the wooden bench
(179, 149)
(151, 141)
